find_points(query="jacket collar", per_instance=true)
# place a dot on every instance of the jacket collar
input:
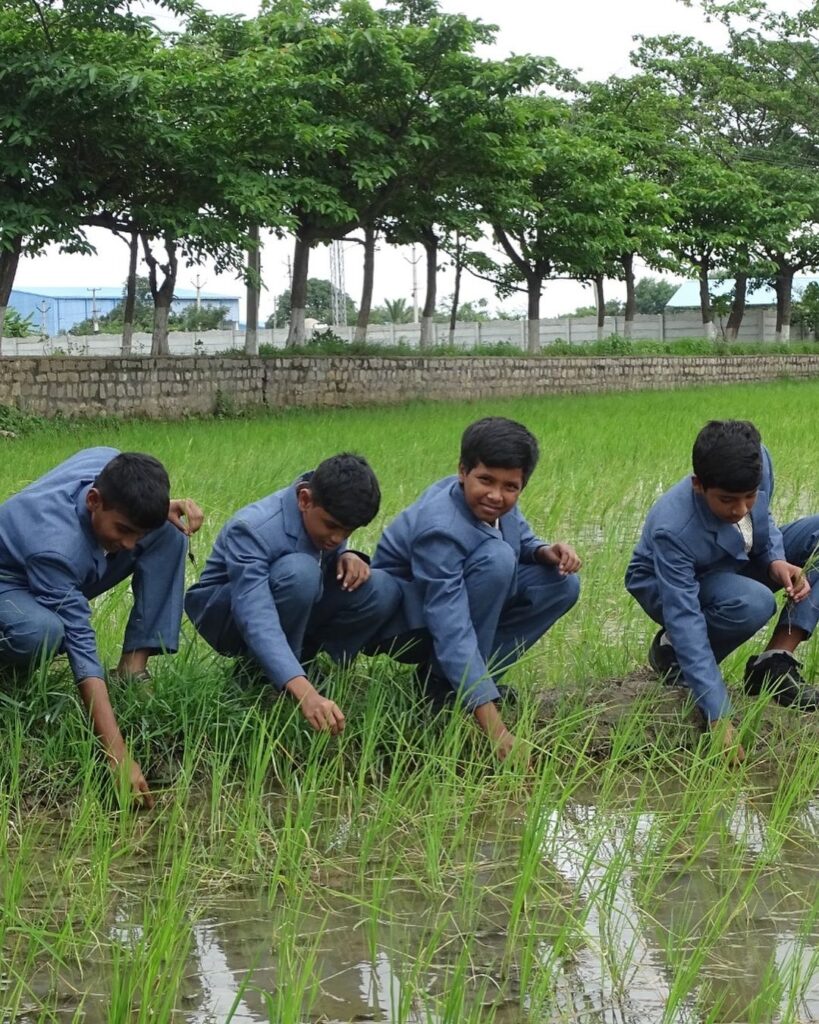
(726, 534)
(458, 499)
(84, 518)
(292, 518)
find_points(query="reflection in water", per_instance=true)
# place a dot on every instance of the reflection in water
(727, 932)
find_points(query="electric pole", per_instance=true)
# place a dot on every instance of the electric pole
(197, 284)
(95, 326)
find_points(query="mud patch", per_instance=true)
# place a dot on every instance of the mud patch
(635, 712)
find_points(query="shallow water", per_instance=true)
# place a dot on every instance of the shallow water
(390, 951)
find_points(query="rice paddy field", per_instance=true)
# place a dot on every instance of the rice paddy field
(398, 873)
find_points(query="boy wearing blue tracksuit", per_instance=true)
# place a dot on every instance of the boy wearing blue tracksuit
(95, 519)
(281, 582)
(479, 588)
(706, 567)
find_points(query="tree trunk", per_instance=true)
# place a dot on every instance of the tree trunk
(254, 270)
(9, 258)
(367, 287)
(162, 293)
(705, 300)
(534, 286)
(130, 295)
(430, 243)
(631, 301)
(600, 305)
(456, 294)
(298, 293)
(784, 296)
(737, 307)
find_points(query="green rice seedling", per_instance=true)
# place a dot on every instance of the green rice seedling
(479, 892)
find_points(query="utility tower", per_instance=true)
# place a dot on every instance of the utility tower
(337, 282)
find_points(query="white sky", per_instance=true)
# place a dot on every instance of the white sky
(593, 36)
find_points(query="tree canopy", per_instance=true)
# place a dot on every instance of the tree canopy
(322, 119)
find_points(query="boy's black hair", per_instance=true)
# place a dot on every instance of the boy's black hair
(728, 454)
(136, 485)
(346, 487)
(497, 441)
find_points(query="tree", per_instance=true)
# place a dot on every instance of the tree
(17, 326)
(57, 64)
(318, 304)
(749, 204)
(398, 311)
(559, 210)
(189, 169)
(652, 294)
(611, 308)
(207, 318)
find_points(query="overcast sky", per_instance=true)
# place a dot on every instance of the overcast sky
(592, 36)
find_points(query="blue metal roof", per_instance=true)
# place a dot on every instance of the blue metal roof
(687, 296)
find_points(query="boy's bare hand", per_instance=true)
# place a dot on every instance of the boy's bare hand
(563, 556)
(129, 769)
(185, 515)
(504, 743)
(790, 578)
(352, 571)
(324, 715)
(94, 694)
(724, 731)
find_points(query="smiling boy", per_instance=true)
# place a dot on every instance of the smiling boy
(95, 519)
(280, 581)
(479, 588)
(706, 567)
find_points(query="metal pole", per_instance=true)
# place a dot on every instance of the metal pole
(95, 327)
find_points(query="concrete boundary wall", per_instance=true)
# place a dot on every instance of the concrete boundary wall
(758, 325)
(177, 387)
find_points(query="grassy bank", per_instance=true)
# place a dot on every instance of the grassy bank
(396, 874)
(328, 344)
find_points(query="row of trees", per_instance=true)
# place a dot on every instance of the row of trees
(329, 119)
(650, 294)
(191, 318)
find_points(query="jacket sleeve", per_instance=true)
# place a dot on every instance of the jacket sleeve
(55, 586)
(438, 564)
(529, 543)
(686, 626)
(775, 550)
(248, 568)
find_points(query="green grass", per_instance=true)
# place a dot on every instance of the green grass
(396, 871)
(329, 344)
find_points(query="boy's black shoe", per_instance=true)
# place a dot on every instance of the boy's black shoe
(508, 695)
(247, 673)
(437, 691)
(663, 660)
(779, 675)
(441, 695)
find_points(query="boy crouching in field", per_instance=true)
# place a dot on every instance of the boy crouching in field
(478, 587)
(705, 569)
(97, 518)
(280, 581)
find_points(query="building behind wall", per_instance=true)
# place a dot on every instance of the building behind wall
(55, 310)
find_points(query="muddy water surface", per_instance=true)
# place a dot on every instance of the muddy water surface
(633, 924)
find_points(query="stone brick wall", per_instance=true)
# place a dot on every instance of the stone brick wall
(180, 386)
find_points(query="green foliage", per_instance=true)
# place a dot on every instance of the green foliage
(632, 847)
(208, 318)
(613, 308)
(319, 304)
(806, 309)
(652, 294)
(15, 325)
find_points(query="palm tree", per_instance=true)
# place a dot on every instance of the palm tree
(398, 312)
